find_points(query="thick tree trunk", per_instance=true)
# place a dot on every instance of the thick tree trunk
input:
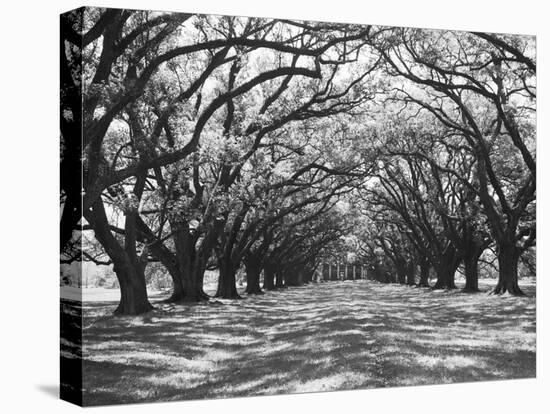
(324, 272)
(70, 217)
(133, 291)
(178, 293)
(290, 279)
(128, 269)
(446, 269)
(302, 278)
(446, 276)
(171, 261)
(182, 260)
(227, 283)
(424, 273)
(508, 258)
(401, 273)
(269, 277)
(410, 273)
(253, 270)
(471, 274)
(294, 278)
(347, 272)
(333, 272)
(279, 277)
(376, 274)
(192, 260)
(309, 275)
(187, 285)
(193, 283)
(471, 270)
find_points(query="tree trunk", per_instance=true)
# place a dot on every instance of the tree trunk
(171, 261)
(227, 283)
(70, 217)
(296, 278)
(333, 272)
(183, 255)
(446, 269)
(471, 270)
(508, 257)
(193, 261)
(178, 293)
(279, 280)
(193, 283)
(269, 277)
(309, 274)
(290, 279)
(253, 270)
(446, 276)
(324, 272)
(471, 274)
(176, 273)
(187, 284)
(424, 273)
(410, 273)
(351, 272)
(128, 269)
(401, 273)
(133, 291)
(376, 273)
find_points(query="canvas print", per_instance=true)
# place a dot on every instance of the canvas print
(256, 206)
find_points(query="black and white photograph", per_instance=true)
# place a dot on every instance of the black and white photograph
(275, 207)
(259, 206)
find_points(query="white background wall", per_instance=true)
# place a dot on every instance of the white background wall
(29, 206)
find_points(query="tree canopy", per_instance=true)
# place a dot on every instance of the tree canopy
(219, 142)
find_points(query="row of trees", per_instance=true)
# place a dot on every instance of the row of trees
(457, 174)
(204, 144)
(224, 142)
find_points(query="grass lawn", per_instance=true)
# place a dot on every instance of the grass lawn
(328, 336)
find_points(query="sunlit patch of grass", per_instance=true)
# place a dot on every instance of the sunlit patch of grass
(341, 380)
(449, 361)
(337, 335)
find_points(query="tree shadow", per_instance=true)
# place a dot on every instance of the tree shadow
(337, 335)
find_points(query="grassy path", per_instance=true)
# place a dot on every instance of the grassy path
(337, 335)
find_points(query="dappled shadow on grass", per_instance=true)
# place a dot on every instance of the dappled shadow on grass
(336, 335)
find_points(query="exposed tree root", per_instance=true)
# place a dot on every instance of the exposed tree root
(138, 310)
(501, 289)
